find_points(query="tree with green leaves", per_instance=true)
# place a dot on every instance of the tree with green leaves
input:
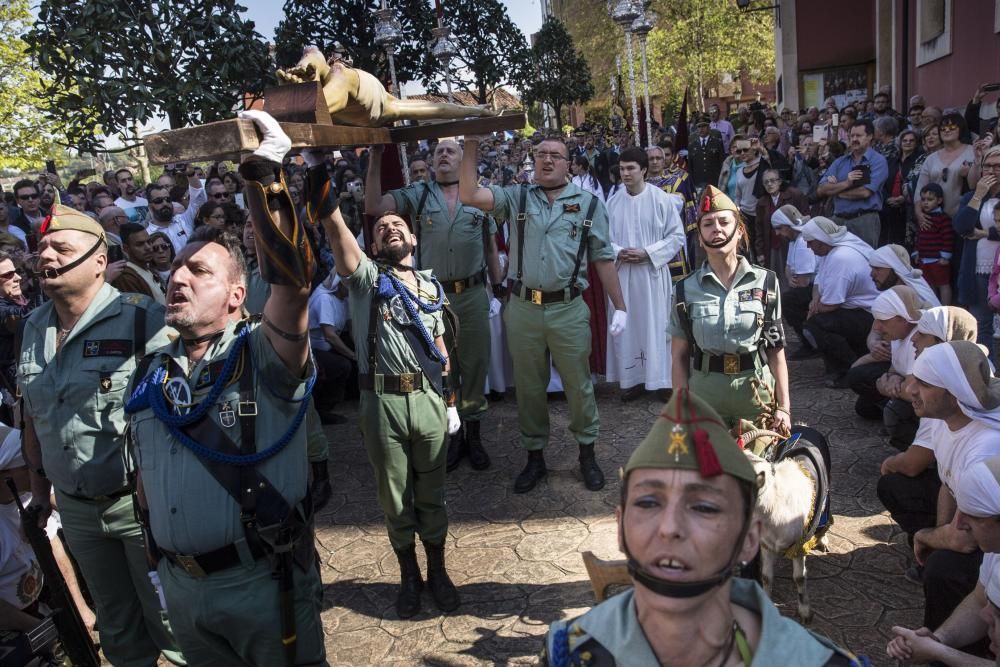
(25, 135)
(353, 25)
(115, 65)
(492, 50)
(561, 75)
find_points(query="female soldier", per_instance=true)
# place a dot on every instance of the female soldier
(727, 339)
(685, 524)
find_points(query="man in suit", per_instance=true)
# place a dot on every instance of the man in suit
(705, 155)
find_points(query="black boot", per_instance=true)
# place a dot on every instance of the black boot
(533, 472)
(320, 489)
(443, 591)
(408, 600)
(457, 448)
(593, 478)
(478, 458)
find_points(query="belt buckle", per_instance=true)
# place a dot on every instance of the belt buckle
(536, 297)
(407, 382)
(190, 566)
(459, 286)
(731, 364)
(247, 409)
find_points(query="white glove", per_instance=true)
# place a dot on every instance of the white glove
(618, 323)
(495, 307)
(454, 423)
(313, 158)
(275, 143)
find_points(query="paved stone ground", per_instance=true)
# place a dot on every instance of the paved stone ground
(516, 558)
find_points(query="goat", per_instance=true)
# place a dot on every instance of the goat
(786, 503)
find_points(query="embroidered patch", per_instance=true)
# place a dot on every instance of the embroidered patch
(112, 347)
(209, 374)
(755, 294)
(571, 208)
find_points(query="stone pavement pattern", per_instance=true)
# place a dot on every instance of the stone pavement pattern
(516, 558)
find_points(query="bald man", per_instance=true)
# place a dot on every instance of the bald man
(457, 244)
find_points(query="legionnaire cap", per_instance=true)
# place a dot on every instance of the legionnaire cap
(977, 490)
(64, 217)
(787, 216)
(899, 301)
(948, 323)
(713, 200)
(690, 435)
(963, 369)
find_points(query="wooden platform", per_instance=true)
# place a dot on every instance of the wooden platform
(455, 128)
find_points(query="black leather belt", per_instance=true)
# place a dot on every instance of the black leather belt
(459, 286)
(398, 384)
(538, 297)
(120, 493)
(203, 565)
(855, 214)
(730, 364)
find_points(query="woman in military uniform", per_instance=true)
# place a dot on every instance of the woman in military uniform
(686, 523)
(727, 339)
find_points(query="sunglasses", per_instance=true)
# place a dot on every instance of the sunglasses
(159, 200)
(948, 127)
(742, 150)
(8, 275)
(27, 196)
(220, 195)
(160, 248)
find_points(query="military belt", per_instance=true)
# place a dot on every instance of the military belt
(203, 565)
(459, 286)
(539, 297)
(730, 364)
(115, 495)
(405, 383)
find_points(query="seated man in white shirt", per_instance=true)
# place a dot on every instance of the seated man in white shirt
(800, 268)
(839, 315)
(329, 318)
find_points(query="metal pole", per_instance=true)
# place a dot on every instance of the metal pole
(399, 93)
(645, 80)
(631, 81)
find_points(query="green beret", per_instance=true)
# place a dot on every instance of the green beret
(64, 217)
(690, 435)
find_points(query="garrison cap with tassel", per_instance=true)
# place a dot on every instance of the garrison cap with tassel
(64, 217)
(713, 199)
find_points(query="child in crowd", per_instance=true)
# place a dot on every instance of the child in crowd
(933, 248)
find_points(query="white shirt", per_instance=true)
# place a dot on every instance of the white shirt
(844, 278)
(137, 211)
(325, 308)
(180, 228)
(955, 451)
(801, 260)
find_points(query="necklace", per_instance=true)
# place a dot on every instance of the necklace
(726, 649)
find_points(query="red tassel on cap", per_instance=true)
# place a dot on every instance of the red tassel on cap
(708, 462)
(706, 203)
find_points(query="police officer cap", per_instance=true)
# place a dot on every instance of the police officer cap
(690, 435)
(64, 217)
(713, 199)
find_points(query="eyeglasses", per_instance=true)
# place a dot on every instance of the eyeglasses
(159, 200)
(27, 196)
(742, 150)
(550, 156)
(949, 127)
(160, 248)
(220, 195)
(8, 275)
(995, 166)
(944, 175)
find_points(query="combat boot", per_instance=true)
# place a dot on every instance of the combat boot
(442, 590)
(593, 478)
(457, 448)
(478, 458)
(320, 489)
(408, 599)
(533, 472)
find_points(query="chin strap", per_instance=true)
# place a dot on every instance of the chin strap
(50, 273)
(719, 244)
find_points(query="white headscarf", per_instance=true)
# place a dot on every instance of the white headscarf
(962, 368)
(901, 301)
(788, 216)
(896, 258)
(948, 323)
(827, 231)
(977, 490)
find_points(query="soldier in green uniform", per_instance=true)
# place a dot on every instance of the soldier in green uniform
(77, 353)
(727, 340)
(556, 228)
(456, 243)
(407, 403)
(686, 524)
(219, 444)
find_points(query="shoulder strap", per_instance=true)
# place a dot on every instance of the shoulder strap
(680, 304)
(521, 217)
(417, 226)
(588, 221)
(373, 316)
(139, 333)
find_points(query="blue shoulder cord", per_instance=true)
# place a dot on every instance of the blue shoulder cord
(146, 396)
(394, 287)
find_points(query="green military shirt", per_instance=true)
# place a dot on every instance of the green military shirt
(728, 321)
(552, 235)
(450, 245)
(189, 511)
(75, 398)
(395, 356)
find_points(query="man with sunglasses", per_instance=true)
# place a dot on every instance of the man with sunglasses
(556, 230)
(28, 198)
(78, 351)
(177, 226)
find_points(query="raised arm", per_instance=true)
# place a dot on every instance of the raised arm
(469, 191)
(376, 203)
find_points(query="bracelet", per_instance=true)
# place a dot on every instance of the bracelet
(778, 408)
(294, 338)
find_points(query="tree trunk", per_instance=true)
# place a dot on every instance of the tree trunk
(140, 154)
(558, 109)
